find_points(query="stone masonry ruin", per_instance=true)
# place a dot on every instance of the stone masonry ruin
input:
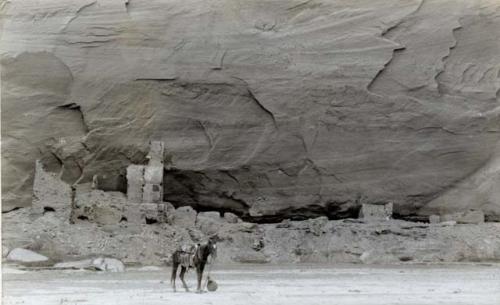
(142, 203)
(145, 182)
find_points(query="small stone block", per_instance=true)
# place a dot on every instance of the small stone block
(376, 211)
(434, 219)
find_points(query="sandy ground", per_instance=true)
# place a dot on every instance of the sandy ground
(360, 285)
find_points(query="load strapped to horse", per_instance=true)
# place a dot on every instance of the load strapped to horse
(194, 256)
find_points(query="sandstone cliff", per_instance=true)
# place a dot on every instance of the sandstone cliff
(268, 109)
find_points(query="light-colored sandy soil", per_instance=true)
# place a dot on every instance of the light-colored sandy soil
(417, 285)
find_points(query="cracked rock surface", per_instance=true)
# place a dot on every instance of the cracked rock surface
(268, 109)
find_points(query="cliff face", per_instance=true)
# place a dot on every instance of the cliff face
(266, 108)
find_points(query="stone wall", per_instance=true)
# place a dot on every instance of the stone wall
(95, 223)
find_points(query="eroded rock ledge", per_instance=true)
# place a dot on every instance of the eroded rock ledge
(95, 223)
(311, 241)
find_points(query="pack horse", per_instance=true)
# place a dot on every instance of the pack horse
(193, 257)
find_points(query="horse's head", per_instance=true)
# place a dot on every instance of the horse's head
(204, 250)
(212, 247)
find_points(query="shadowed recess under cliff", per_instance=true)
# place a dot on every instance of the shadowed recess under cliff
(219, 190)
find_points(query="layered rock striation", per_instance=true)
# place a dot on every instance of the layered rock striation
(268, 109)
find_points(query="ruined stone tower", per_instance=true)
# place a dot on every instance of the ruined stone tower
(145, 182)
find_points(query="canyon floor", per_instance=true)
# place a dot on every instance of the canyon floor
(455, 284)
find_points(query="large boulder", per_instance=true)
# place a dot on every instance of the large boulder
(310, 107)
(209, 222)
(184, 217)
(108, 264)
(25, 256)
(231, 218)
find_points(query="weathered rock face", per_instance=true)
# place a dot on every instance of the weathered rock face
(266, 108)
(50, 194)
(481, 190)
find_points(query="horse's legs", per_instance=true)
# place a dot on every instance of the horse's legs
(174, 274)
(199, 273)
(183, 271)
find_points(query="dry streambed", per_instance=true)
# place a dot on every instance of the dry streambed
(249, 284)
